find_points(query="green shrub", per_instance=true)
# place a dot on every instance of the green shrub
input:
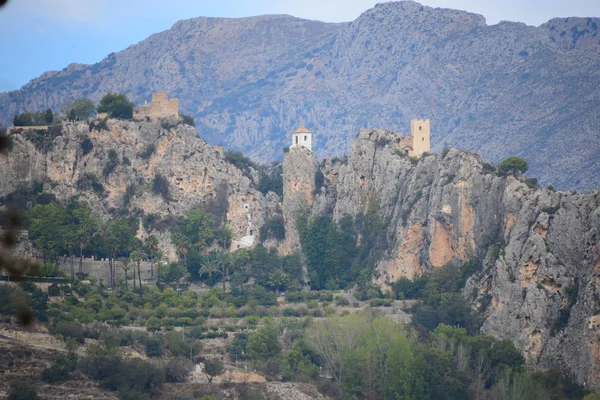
(90, 182)
(117, 105)
(341, 301)
(532, 183)
(551, 210)
(69, 329)
(61, 369)
(488, 168)
(273, 228)
(99, 125)
(21, 389)
(148, 151)
(87, 145)
(160, 186)
(154, 347)
(43, 139)
(111, 164)
(188, 119)
(177, 370)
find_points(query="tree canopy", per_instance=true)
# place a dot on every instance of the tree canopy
(80, 109)
(513, 165)
(117, 105)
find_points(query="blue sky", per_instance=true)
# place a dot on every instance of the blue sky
(43, 35)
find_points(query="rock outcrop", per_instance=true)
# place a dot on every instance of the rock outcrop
(539, 280)
(112, 165)
(500, 90)
(299, 169)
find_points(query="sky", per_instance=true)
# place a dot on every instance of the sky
(43, 35)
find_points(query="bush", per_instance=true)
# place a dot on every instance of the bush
(177, 370)
(213, 367)
(532, 183)
(61, 369)
(113, 162)
(99, 125)
(90, 182)
(188, 119)
(154, 347)
(43, 140)
(160, 186)
(80, 109)
(488, 168)
(117, 105)
(341, 301)
(271, 179)
(273, 228)
(148, 151)
(22, 390)
(69, 329)
(87, 146)
(240, 161)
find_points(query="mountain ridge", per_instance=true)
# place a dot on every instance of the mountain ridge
(500, 90)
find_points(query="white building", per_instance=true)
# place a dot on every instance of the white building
(302, 137)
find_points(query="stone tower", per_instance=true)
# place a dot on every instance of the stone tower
(302, 137)
(420, 131)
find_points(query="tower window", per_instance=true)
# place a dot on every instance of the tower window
(305, 138)
(420, 127)
(423, 139)
(296, 139)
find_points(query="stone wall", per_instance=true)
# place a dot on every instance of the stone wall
(99, 268)
(159, 107)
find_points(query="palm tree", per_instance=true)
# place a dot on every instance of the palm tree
(151, 246)
(209, 267)
(225, 235)
(278, 280)
(67, 234)
(103, 232)
(83, 235)
(222, 258)
(182, 243)
(158, 257)
(126, 266)
(138, 255)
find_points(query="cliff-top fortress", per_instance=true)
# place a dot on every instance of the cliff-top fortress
(413, 145)
(418, 142)
(159, 107)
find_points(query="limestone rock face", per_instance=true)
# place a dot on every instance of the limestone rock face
(197, 173)
(499, 90)
(299, 168)
(539, 283)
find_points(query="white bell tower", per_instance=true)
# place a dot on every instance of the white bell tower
(302, 137)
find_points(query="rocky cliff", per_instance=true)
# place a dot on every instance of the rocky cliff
(539, 280)
(500, 90)
(112, 164)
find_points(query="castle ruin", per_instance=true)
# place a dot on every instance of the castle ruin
(159, 107)
(418, 142)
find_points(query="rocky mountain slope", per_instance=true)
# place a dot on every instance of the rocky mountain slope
(538, 280)
(505, 89)
(537, 248)
(74, 160)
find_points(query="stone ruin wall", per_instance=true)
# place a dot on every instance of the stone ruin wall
(159, 107)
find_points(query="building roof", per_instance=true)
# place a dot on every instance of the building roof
(302, 129)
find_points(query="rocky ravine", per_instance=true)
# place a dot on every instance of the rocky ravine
(500, 90)
(197, 173)
(538, 248)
